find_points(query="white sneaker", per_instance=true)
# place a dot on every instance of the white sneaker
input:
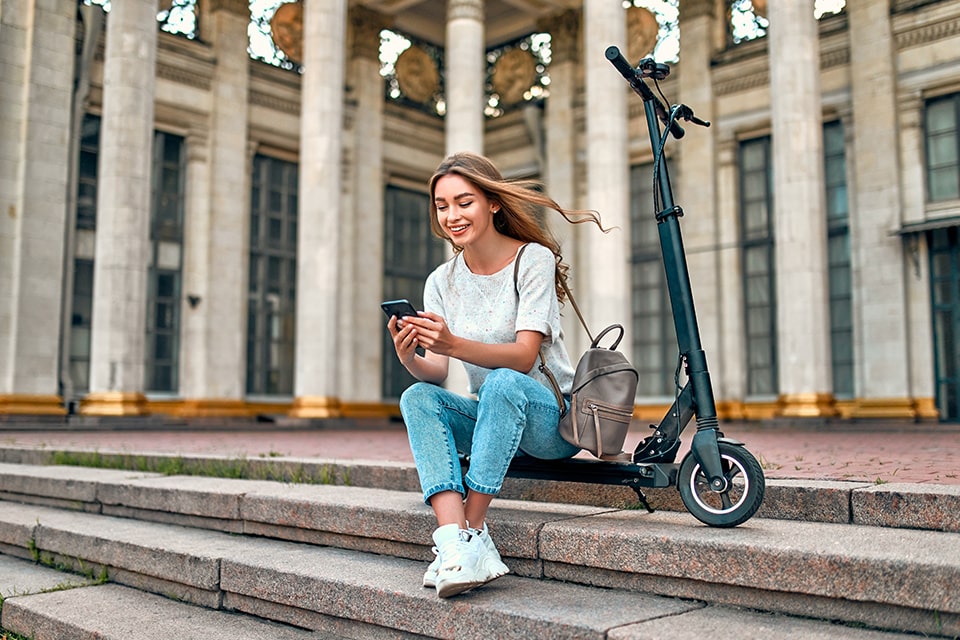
(430, 575)
(491, 561)
(491, 558)
(461, 566)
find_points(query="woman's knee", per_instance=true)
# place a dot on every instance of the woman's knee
(417, 396)
(503, 382)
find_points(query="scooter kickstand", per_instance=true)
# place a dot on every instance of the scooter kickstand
(642, 498)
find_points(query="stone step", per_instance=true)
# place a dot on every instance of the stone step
(335, 592)
(45, 604)
(899, 505)
(890, 578)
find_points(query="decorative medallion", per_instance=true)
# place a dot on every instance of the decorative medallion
(642, 30)
(514, 73)
(286, 25)
(417, 74)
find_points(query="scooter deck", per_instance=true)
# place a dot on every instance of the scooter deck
(628, 474)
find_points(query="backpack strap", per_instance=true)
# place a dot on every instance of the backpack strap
(543, 362)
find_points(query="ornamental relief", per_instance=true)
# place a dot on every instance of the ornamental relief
(642, 32)
(513, 75)
(286, 28)
(417, 74)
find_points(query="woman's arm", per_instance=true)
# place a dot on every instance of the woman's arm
(432, 333)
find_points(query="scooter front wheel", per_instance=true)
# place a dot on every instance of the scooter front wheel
(737, 502)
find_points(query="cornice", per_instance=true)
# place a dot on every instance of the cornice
(182, 75)
(261, 99)
(928, 33)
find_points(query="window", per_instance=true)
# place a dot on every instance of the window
(945, 284)
(80, 325)
(411, 252)
(838, 259)
(164, 271)
(87, 172)
(271, 311)
(757, 265)
(655, 349)
(81, 308)
(943, 148)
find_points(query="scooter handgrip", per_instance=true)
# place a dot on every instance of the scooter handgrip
(613, 55)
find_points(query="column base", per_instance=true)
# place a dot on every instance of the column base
(211, 408)
(25, 404)
(114, 403)
(807, 405)
(316, 407)
(926, 409)
(364, 410)
(884, 408)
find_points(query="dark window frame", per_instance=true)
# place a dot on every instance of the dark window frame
(410, 253)
(272, 287)
(761, 361)
(838, 260)
(655, 348)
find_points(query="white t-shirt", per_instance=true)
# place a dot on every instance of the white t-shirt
(485, 308)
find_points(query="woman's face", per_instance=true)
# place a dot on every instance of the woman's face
(463, 211)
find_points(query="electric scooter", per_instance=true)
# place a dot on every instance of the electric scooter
(720, 482)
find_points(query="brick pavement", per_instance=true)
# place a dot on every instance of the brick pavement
(874, 452)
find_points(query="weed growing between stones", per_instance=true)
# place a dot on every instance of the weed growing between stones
(232, 468)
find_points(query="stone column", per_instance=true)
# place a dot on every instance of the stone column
(37, 43)
(320, 211)
(362, 277)
(730, 375)
(465, 76)
(918, 305)
(223, 240)
(877, 257)
(560, 154)
(118, 333)
(463, 122)
(697, 192)
(803, 322)
(604, 263)
(196, 272)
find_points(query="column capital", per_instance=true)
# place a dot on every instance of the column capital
(564, 29)
(690, 9)
(240, 7)
(465, 10)
(365, 27)
(197, 141)
(726, 149)
(910, 108)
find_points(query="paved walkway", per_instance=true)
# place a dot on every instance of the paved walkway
(877, 452)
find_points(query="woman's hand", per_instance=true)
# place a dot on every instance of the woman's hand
(404, 340)
(431, 332)
(407, 336)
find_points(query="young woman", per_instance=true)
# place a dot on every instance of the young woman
(476, 312)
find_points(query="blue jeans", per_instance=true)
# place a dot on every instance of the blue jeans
(512, 411)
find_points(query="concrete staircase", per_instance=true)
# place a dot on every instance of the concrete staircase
(115, 553)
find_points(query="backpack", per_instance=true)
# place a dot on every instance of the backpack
(602, 396)
(601, 401)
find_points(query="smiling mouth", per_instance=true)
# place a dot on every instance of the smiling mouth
(458, 228)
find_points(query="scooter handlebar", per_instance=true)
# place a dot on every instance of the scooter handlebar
(640, 87)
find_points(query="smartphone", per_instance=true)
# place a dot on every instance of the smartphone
(399, 308)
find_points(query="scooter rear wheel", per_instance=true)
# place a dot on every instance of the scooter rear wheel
(739, 500)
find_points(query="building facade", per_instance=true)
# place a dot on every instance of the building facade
(187, 230)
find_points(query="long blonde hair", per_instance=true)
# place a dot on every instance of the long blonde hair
(520, 202)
